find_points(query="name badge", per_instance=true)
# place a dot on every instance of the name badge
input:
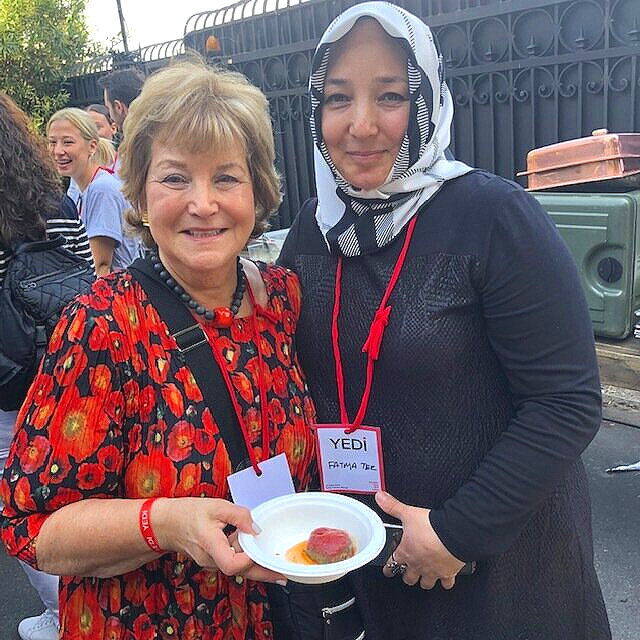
(349, 462)
(249, 489)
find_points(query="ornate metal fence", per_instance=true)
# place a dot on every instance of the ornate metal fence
(523, 73)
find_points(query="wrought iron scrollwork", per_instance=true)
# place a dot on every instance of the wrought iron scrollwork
(253, 71)
(583, 76)
(536, 82)
(283, 108)
(460, 91)
(453, 45)
(620, 75)
(567, 87)
(533, 33)
(489, 41)
(582, 26)
(494, 88)
(275, 75)
(625, 21)
(298, 67)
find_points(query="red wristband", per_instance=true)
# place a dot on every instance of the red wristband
(145, 526)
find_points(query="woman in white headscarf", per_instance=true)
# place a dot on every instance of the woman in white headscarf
(441, 306)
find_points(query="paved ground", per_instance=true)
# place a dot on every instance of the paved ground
(616, 523)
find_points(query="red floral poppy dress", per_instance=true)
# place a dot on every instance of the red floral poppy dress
(114, 412)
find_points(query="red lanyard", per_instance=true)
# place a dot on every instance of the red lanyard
(264, 418)
(95, 173)
(372, 344)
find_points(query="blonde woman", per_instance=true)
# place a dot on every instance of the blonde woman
(82, 155)
(116, 419)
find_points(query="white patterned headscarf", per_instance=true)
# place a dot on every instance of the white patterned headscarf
(357, 222)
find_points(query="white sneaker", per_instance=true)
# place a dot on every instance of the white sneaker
(43, 627)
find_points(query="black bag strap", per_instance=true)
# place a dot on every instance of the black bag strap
(194, 347)
(54, 241)
(310, 204)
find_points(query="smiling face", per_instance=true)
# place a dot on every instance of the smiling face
(365, 112)
(201, 211)
(71, 153)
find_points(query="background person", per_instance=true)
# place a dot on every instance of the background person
(106, 127)
(486, 384)
(120, 89)
(80, 153)
(115, 416)
(32, 207)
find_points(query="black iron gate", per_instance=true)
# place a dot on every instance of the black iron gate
(523, 73)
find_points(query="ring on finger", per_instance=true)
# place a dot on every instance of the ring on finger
(396, 568)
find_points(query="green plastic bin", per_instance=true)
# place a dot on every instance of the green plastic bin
(601, 230)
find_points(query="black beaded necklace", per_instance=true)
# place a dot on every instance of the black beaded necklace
(221, 316)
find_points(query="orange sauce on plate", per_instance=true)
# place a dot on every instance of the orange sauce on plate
(298, 554)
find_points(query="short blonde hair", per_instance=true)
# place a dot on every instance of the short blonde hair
(105, 153)
(198, 108)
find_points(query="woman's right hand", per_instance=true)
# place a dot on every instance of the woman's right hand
(195, 527)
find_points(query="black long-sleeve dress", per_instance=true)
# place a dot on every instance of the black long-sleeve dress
(486, 392)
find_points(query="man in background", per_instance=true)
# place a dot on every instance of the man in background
(120, 88)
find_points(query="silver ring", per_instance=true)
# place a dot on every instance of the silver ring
(396, 568)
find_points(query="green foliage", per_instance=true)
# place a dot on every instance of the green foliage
(39, 41)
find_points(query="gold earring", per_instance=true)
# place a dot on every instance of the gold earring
(144, 218)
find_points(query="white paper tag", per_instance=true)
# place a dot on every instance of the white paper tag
(349, 462)
(249, 490)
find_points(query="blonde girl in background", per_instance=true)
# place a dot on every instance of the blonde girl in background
(82, 155)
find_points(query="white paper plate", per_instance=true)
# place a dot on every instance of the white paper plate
(287, 520)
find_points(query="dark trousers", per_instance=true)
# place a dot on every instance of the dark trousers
(314, 612)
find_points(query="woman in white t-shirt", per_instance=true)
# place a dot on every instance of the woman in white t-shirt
(80, 153)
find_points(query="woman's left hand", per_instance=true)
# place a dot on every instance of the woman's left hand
(420, 549)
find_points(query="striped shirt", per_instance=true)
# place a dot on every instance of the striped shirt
(67, 223)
